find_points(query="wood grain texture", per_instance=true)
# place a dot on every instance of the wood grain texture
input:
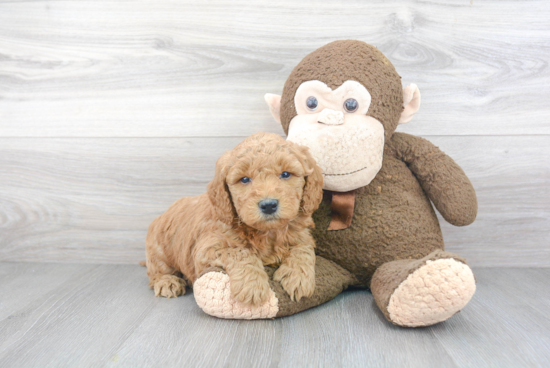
(25, 283)
(107, 316)
(111, 110)
(188, 69)
(91, 200)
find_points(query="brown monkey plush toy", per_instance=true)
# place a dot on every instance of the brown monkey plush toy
(376, 227)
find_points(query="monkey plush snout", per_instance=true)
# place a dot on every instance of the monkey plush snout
(331, 117)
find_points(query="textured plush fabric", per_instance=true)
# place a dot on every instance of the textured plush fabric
(432, 294)
(425, 291)
(341, 210)
(393, 218)
(340, 61)
(330, 280)
(394, 226)
(213, 296)
(442, 179)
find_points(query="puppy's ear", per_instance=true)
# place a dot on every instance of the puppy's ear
(218, 192)
(313, 190)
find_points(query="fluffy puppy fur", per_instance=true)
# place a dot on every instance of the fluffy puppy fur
(226, 227)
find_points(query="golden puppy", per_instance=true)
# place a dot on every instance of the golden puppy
(257, 212)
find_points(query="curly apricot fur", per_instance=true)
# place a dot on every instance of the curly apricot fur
(225, 227)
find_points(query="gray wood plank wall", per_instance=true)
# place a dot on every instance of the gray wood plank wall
(110, 111)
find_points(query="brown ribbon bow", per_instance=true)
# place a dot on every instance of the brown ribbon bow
(341, 209)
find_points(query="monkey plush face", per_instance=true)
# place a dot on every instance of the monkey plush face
(343, 101)
(335, 127)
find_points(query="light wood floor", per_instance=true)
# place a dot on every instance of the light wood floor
(77, 315)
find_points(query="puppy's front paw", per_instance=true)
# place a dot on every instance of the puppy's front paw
(250, 287)
(168, 286)
(213, 295)
(297, 282)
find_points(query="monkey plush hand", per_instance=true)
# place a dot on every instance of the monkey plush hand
(376, 227)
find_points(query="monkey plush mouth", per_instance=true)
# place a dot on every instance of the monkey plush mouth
(349, 154)
(352, 172)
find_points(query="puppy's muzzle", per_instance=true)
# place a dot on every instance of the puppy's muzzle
(269, 206)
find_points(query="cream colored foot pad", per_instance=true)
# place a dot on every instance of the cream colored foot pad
(213, 295)
(432, 293)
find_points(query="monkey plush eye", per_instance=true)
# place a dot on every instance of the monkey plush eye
(285, 175)
(351, 105)
(312, 103)
(245, 180)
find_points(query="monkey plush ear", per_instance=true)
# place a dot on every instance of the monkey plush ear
(274, 103)
(411, 103)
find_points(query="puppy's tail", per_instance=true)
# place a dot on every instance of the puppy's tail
(143, 263)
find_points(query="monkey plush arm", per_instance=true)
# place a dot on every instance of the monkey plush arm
(442, 179)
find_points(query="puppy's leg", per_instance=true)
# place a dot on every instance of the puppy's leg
(213, 294)
(248, 279)
(163, 279)
(297, 271)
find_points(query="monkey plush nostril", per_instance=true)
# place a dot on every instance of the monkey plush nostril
(268, 206)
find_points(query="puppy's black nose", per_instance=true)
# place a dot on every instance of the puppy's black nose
(268, 206)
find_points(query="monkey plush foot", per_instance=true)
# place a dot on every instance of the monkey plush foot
(415, 293)
(213, 293)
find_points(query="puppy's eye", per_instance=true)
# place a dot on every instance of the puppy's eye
(285, 175)
(245, 180)
(312, 103)
(351, 105)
